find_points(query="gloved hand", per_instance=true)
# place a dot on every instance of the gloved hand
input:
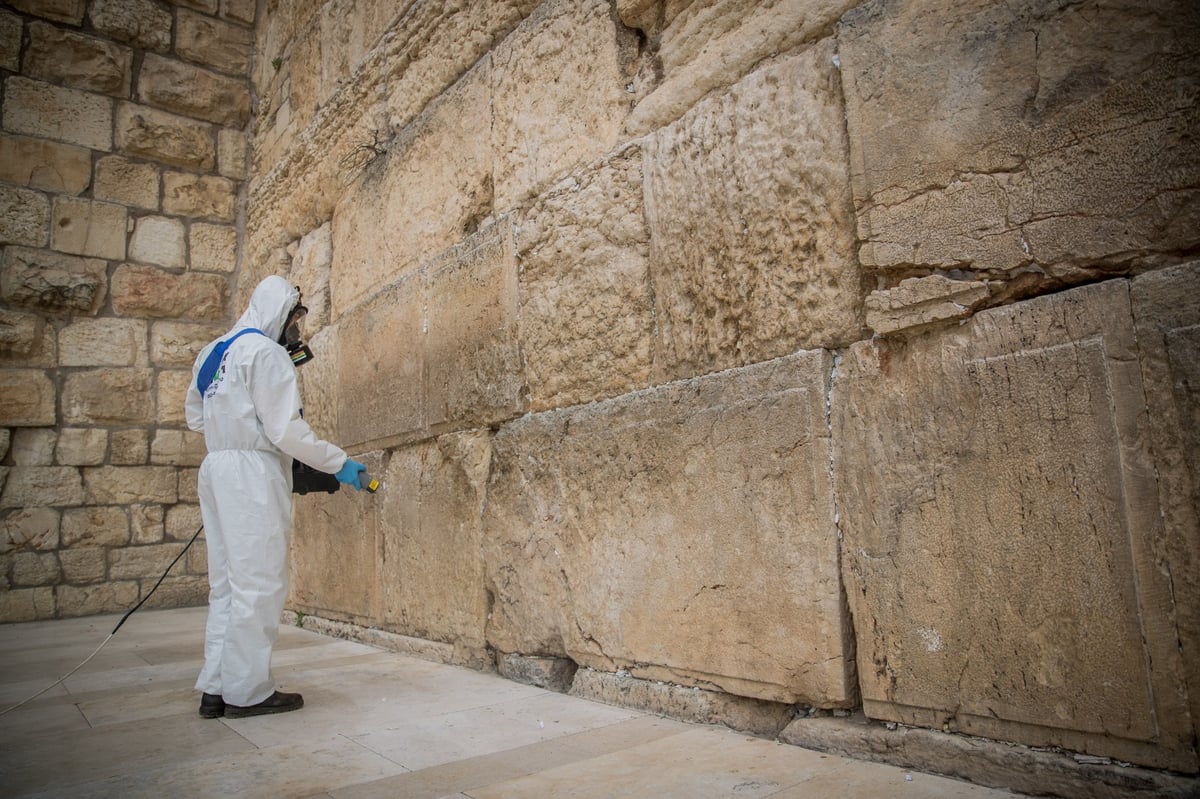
(349, 472)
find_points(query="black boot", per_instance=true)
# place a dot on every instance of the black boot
(211, 706)
(277, 702)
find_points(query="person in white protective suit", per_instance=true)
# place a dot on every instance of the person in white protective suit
(249, 411)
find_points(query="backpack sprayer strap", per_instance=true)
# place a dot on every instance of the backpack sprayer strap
(208, 369)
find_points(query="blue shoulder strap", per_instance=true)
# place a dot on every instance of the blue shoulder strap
(208, 369)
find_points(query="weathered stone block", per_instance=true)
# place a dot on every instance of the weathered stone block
(130, 448)
(26, 340)
(554, 674)
(159, 240)
(540, 135)
(81, 446)
(704, 47)
(121, 180)
(177, 447)
(472, 359)
(10, 41)
(108, 396)
(146, 524)
(42, 486)
(147, 291)
(178, 343)
(43, 164)
(432, 575)
(27, 604)
(68, 11)
(137, 562)
(587, 311)
(27, 398)
(231, 153)
(178, 591)
(213, 248)
(239, 10)
(205, 196)
(310, 271)
(171, 396)
(95, 527)
(83, 566)
(24, 217)
(115, 485)
(752, 226)
(165, 137)
(82, 62)
(29, 528)
(638, 532)
(85, 227)
(920, 302)
(109, 597)
(53, 282)
(992, 152)
(55, 112)
(103, 342)
(142, 23)
(33, 446)
(221, 45)
(183, 520)
(193, 92)
(187, 484)
(1006, 464)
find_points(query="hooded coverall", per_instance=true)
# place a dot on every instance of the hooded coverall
(252, 424)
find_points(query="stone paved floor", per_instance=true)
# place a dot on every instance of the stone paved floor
(375, 724)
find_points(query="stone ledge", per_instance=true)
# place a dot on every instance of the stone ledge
(985, 762)
(435, 651)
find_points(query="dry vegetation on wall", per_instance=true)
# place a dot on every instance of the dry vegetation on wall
(745, 359)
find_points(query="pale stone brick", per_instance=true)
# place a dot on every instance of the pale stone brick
(158, 240)
(34, 568)
(146, 523)
(24, 217)
(30, 528)
(207, 6)
(921, 302)
(197, 556)
(43, 164)
(147, 291)
(231, 153)
(54, 112)
(42, 486)
(103, 342)
(108, 396)
(221, 45)
(81, 446)
(130, 448)
(144, 561)
(183, 521)
(26, 340)
(204, 196)
(179, 591)
(239, 10)
(165, 137)
(100, 526)
(178, 343)
(84, 565)
(79, 61)
(52, 281)
(193, 92)
(69, 11)
(171, 395)
(142, 23)
(109, 597)
(27, 398)
(187, 485)
(27, 604)
(33, 446)
(124, 485)
(86, 227)
(128, 182)
(213, 248)
(10, 42)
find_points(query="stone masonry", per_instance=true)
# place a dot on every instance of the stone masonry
(758, 361)
(123, 152)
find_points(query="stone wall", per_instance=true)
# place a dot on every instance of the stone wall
(123, 152)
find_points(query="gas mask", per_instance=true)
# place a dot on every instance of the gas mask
(292, 336)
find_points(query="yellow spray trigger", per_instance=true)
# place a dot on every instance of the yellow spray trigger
(368, 482)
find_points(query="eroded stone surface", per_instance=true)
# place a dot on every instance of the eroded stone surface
(53, 282)
(920, 302)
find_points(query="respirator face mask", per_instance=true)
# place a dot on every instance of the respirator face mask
(292, 337)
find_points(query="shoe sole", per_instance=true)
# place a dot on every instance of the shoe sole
(231, 713)
(211, 714)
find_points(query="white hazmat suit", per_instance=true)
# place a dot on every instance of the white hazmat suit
(251, 419)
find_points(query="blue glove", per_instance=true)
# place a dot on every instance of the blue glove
(348, 474)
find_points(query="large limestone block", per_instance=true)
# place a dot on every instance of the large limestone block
(125, 485)
(752, 225)
(436, 176)
(232, 148)
(587, 310)
(142, 23)
(473, 365)
(159, 240)
(10, 41)
(213, 248)
(176, 344)
(206, 196)
(222, 45)
(43, 164)
(128, 182)
(27, 604)
(1000, 516)
(193, 92)
(101, 526)
(24, 217)
(82, 62)
(28, 398)
(59, 113)
(1166, 310)
(53, 282)
(170, 398)
(89, 600)
(685, 533)
(705, 46)
(996, 136)
(42, 487)
(33, 446)
(108, 396)
(30, 528)
(542, 133)
(81, 446)
(103, 342)
(431, 529)
(310, 271)
(147, 291)
(89, 228)
(26, 340)
(166, 137)
(68, 11)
